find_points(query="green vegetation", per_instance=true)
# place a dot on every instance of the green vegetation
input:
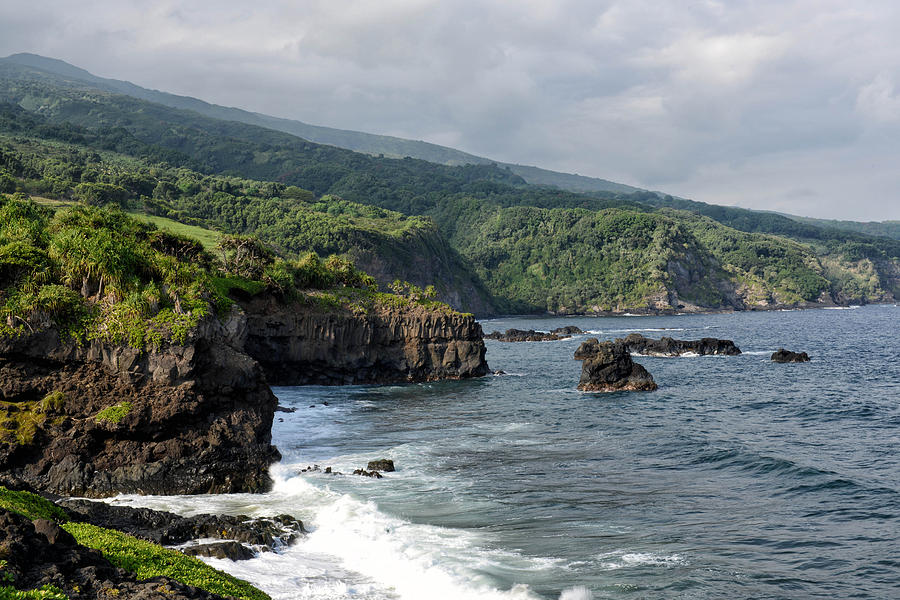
(147, 560)
(31, 505)
(47, 592)
(478, 232)
(114, 414)
(142, 558)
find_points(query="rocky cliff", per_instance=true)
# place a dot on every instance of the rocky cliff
(98, 419)
(297, 344)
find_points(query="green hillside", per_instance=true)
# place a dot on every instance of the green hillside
(487, 240)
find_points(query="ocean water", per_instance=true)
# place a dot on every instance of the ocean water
(738, 478)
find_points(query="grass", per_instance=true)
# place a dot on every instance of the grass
(207, 237)
(147, 560)
(30, 505)
(114, 414)
(47, 592)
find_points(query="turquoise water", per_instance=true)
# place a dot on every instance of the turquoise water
(737, 478)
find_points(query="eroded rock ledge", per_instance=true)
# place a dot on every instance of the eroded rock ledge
(297, 345)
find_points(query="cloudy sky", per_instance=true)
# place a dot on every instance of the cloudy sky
(789, 105)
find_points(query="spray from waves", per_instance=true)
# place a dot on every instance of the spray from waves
(354, 550)
(578, 592)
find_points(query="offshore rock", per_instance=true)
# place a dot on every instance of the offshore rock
(666, 346)
(102, 419)
(41, 553)
(519, 335)
(297, 345)
(385, 465)
(607, 367)
(786, 356)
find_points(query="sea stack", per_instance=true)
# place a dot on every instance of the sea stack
(607, 367)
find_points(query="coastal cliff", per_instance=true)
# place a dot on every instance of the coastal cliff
(297, 344)
(102, 419)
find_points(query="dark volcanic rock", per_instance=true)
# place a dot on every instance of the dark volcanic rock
(297, 345)
(365, 473)
(568, 330)
(264, 533)
(34, 560)
(229, 550)
(198, 417)
(519, 335)
(786, 356)
(667, 346)
(383, 464)
(607, 367)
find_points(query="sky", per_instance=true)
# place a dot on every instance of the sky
(786, 105)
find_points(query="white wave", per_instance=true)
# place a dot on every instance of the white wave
(354, 550)
(576, 593)
(757, 352)
(621, 560)
(851, 307)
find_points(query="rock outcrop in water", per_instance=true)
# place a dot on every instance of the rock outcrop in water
(101, 419)
(786, 356)
(519, 335)
(666, 346)
(607, 367)
(297, 345)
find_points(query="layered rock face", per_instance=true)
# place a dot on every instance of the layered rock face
(607, 367)
(667, 346)
(297, 345)
(99, 419)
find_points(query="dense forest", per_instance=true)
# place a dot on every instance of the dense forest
(488, 241)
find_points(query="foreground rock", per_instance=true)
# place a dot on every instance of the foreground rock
(666, 346)
(42, 553)
(101, 419)
(786, 356)
(519, 335)
(607, 367)
(168, 529)
(297, 345)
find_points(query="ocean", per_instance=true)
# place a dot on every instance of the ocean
(738, 478)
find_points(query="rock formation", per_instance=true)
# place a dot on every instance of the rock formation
(297, 345)
(98, 419)
(666, 346)
(42, 553)
(607, 367)
(786, 356)
(519, 335)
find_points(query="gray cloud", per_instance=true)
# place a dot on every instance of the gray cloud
(783, 105)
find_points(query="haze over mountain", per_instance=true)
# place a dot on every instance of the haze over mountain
(787, 106)
(352, 140)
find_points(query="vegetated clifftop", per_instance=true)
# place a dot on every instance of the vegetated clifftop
(297, 344)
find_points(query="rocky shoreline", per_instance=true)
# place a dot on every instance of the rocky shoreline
(99, 419)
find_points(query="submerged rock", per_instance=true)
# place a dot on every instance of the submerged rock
(666, 346)
(364, 473)
(786, 356)
(607, 367)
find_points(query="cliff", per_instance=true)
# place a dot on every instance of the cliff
(102, 419)
(297, 344)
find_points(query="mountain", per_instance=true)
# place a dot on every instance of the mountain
(358, 141)
(489, 241)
